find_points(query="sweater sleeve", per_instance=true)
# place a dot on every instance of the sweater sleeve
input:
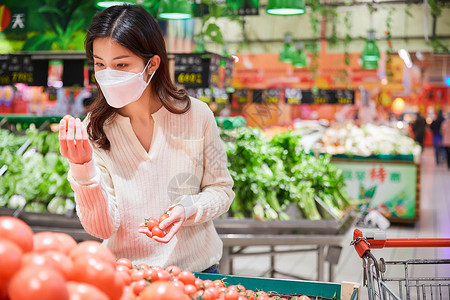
(216, 185)
(95, 197)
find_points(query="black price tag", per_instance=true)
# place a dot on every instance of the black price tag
(20, 68)
(73, 72)
(242, 96)
(272, 96)
(5, 79)
(192, 70)
(257, 96)
(345, 96)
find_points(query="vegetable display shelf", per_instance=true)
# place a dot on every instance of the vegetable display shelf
(29, 119)
(323, 236)
(283, 287)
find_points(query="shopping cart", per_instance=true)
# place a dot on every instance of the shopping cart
(380, 285)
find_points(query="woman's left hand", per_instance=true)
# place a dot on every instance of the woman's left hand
(170, 226)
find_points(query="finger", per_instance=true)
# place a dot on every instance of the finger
(78, 132)
(86, 144)
(142, 225)
(71, 135)
(174, 229)
(147, 233)
(62, 138)
(167, 222)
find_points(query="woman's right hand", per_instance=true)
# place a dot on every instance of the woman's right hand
(74, 143)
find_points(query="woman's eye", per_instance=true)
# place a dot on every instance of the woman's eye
(99, 64)
(121, 65)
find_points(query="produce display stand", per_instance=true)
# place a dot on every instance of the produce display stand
(284, 287)
(27, 119)
(322, 236)
(388, 183)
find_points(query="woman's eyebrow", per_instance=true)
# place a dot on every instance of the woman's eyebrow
(118, 57)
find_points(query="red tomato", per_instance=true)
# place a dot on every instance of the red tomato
(199, 284)
(163, 275)
(249, 295)
(304, 297)
(38, 283)
(4, 290)
(190, 289)
(138, 286)
(10, 259)
(99, 273)
(143, 266)
(67, 118)
(213, 290)
(156, 231)
(173, 270)
(163, 217)
(262, 296)
(62, 262)
(157, 268)
(218, 283)
(93, 249)
(122, 268)
(67, 242)
(38, 260)
(84, 291)
(152, 222)
(18, 232)
(187, 277)
(151, 275)
(45, 241)
(208, 283)
(128, 294)
(136, 275)
(240, 288)
(162, 290)
(178, 283)
(232, 294)
(125, 277)
(124, 262)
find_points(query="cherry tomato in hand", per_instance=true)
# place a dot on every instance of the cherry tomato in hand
(163, 217)
(156, 231)
(152, 222)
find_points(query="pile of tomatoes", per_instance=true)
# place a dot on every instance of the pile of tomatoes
(50, 266)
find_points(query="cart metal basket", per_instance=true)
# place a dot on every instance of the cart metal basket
(381, 285)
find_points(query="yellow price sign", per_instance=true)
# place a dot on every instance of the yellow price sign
(23, 77)
(320, 100)
(344, 101)
(190, 78)
(294, 101)
(272, 100)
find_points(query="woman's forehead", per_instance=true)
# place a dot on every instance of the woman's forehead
(107, 48)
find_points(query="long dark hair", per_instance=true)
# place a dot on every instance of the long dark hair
(135, 29)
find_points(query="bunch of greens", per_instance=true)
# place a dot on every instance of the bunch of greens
(272, 174)
(35, 180)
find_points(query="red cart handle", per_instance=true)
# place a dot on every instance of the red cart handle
(377, 240)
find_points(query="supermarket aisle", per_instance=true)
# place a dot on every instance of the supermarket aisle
(434, 222)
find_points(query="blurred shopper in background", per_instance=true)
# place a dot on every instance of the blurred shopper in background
(418, 127)
(435, 127)
(445, 130)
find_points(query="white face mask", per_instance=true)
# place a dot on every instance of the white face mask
(121, 88)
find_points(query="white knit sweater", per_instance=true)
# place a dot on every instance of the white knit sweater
(186, 164)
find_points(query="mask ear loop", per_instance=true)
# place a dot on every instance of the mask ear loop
(151, 75)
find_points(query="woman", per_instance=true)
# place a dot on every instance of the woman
(435, 127)
(146, 148)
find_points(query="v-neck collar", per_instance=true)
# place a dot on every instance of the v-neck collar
(158, 117)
